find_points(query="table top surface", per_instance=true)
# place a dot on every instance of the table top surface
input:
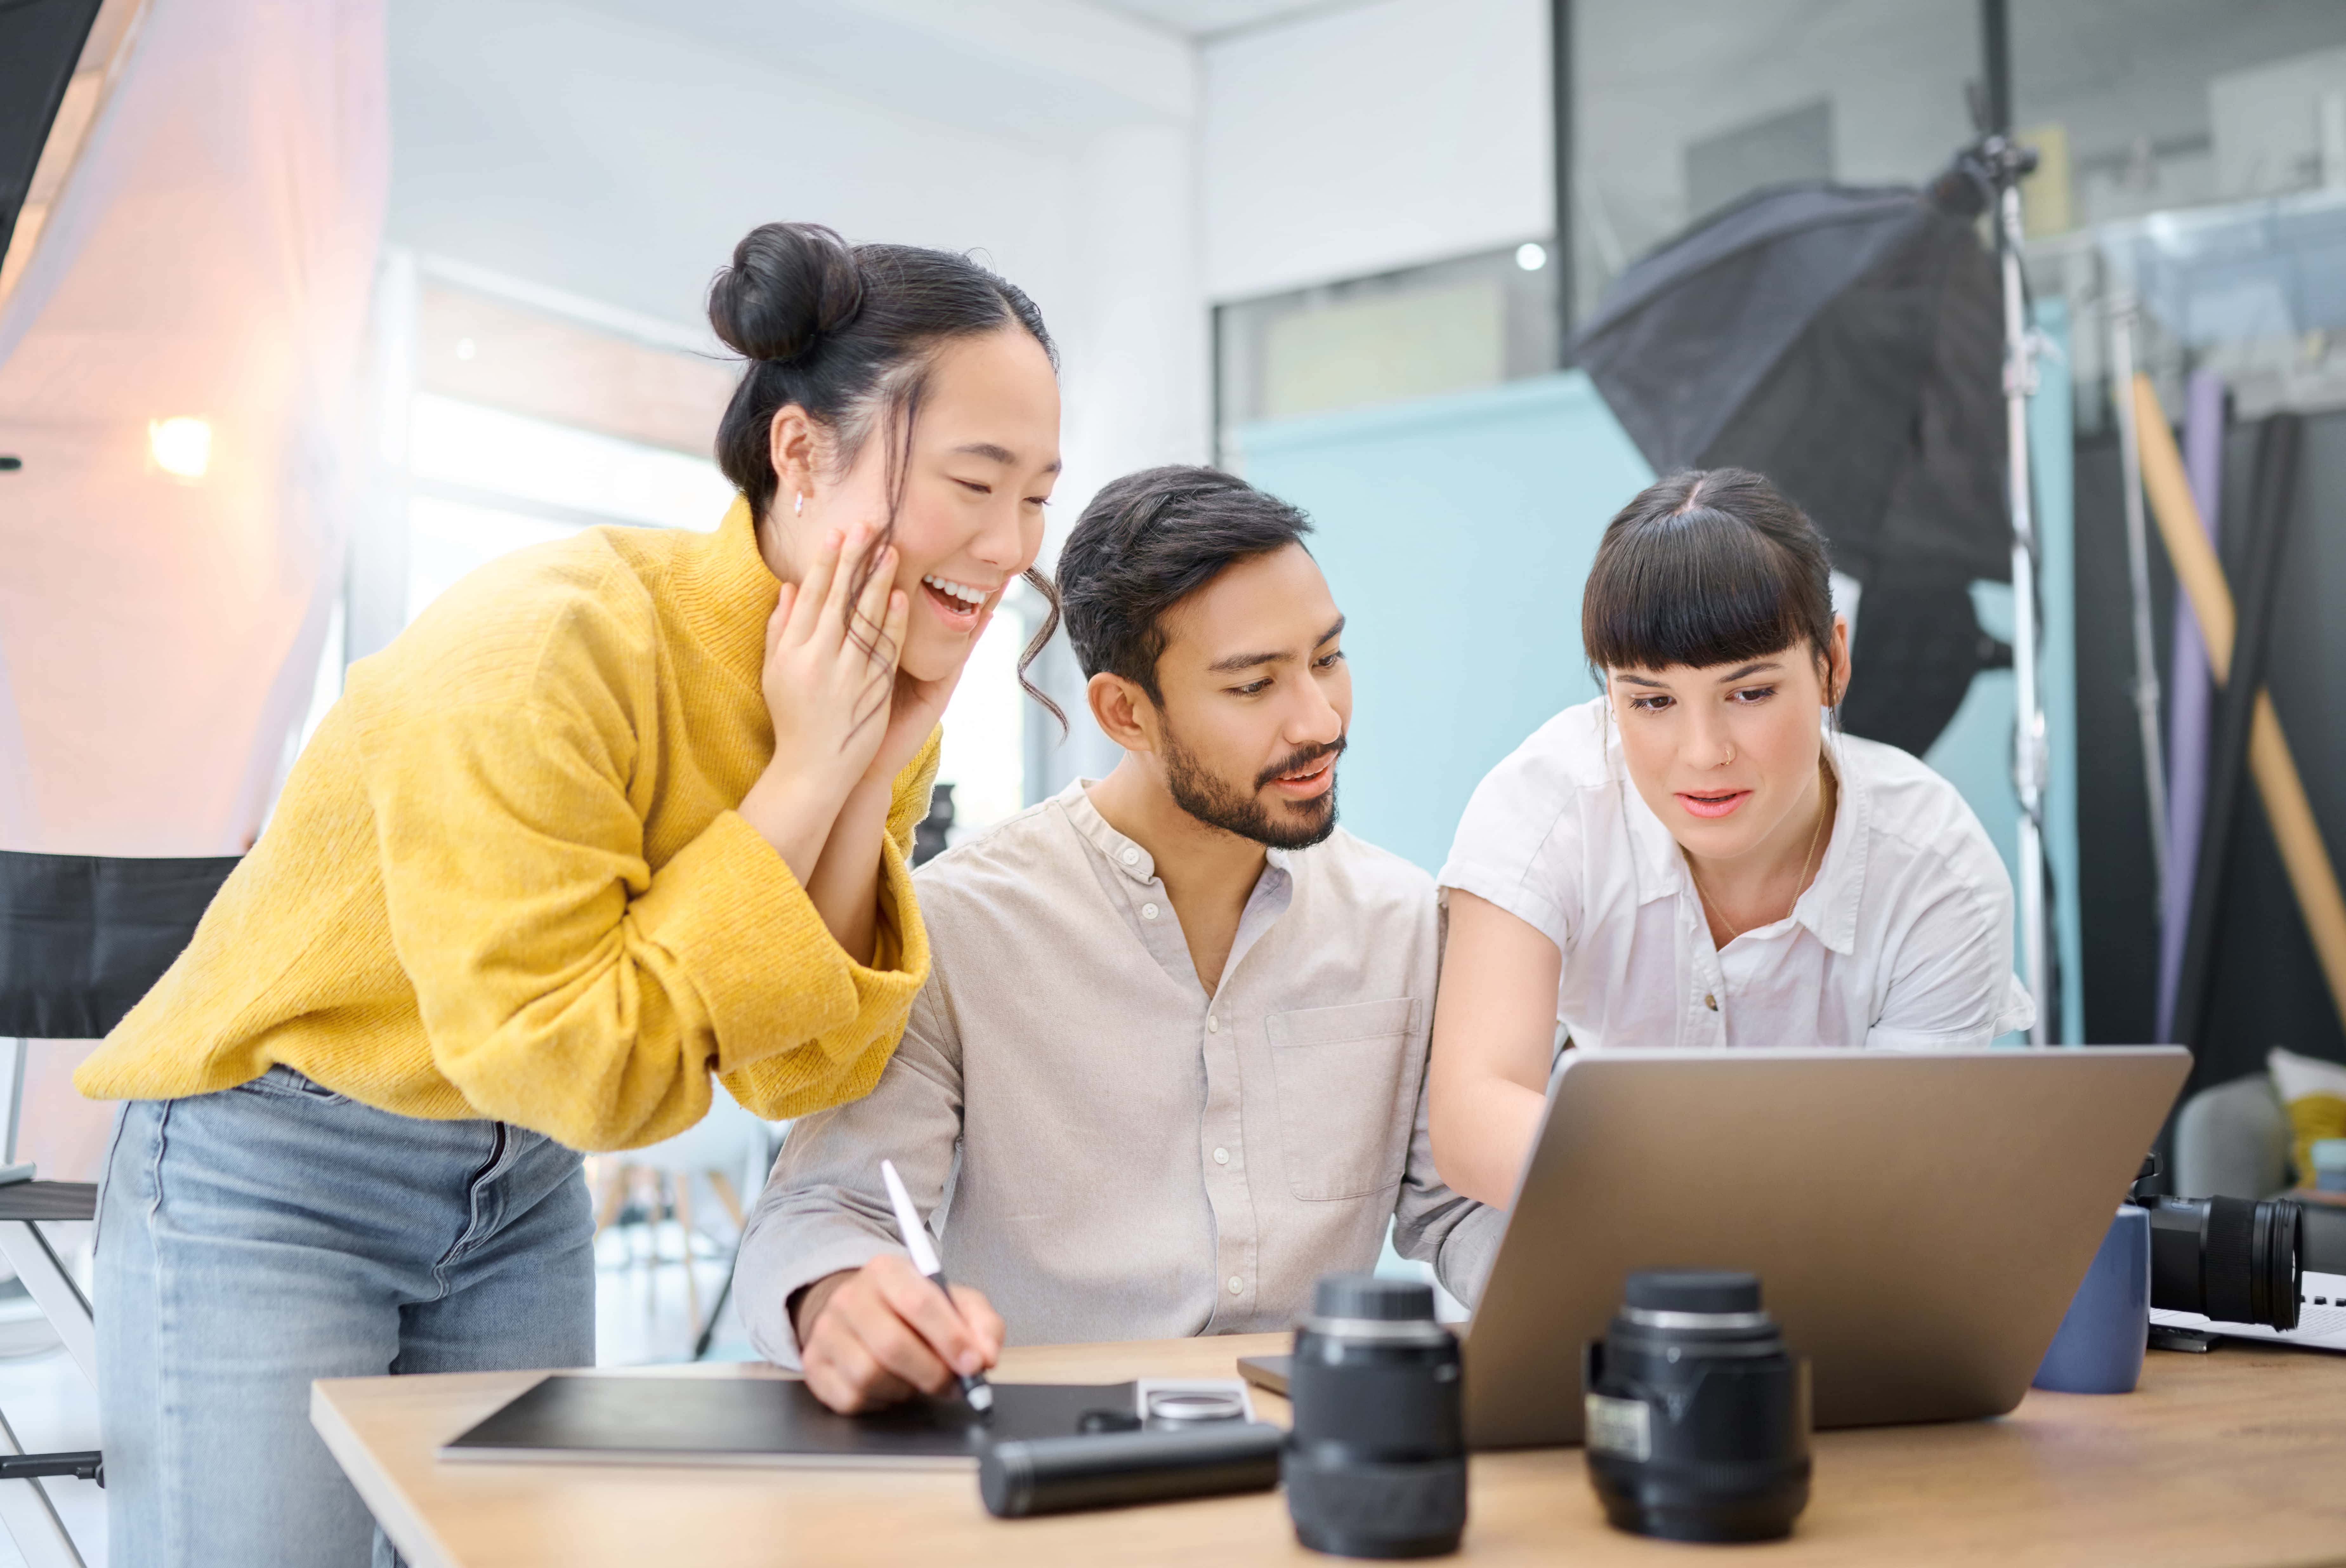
(2238, 1457)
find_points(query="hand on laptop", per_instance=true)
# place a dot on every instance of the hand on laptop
(868, 1337)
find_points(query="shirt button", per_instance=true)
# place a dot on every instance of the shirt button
(1221, 1157)
(1710, 1001)
(1131, 857)
(1213, 1025)
(1148, 912)
(1237, 1286)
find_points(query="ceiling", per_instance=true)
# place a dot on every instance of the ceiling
(1205, 18)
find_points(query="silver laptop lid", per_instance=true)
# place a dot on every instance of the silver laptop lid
(1918, 1220)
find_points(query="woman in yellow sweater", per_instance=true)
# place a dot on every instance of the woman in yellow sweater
(615, 816)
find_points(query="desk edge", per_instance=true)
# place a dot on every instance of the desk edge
(383, 1496)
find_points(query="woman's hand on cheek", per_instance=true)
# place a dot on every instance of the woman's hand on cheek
(917, 708)
(830, 670)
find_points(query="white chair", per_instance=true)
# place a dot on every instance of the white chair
(729, 1151)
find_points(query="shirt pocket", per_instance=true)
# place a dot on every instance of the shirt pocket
(1348, 1087)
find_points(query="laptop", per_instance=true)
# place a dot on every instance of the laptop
(1918, 1220)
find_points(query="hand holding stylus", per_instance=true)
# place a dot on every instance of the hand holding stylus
(974, 1386)
(872, 1336)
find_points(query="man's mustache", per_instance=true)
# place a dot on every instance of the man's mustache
(1300, 761)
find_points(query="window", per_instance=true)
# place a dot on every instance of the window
(1447, 327)
(1682, 108)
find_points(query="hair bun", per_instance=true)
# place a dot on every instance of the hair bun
(789, 285)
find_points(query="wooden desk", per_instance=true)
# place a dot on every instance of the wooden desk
(2234, 1458)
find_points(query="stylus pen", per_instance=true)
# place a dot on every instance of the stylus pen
(974, 1386)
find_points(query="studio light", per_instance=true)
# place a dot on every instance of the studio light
(1531, 256)
(180, 446)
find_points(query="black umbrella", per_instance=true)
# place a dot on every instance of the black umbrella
(1846, 342)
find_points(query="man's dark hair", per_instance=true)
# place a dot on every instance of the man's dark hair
(1148, 541)
(1707, 567)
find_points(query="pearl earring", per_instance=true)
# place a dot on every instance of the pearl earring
(800, 510)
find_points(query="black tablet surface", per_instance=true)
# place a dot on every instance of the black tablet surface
(762, 1420)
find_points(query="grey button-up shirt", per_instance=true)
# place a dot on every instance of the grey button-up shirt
(1106, 1149)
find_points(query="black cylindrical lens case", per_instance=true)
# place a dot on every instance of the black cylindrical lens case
(1376, 1463)
(1109, 1470)
(1697, 1417)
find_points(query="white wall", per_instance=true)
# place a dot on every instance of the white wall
(621, 160)
(1371, 137)
(618, 148)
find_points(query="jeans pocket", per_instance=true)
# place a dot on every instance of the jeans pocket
(282, 1083)
(1348, 1080)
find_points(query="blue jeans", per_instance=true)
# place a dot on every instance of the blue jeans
(251, 1240)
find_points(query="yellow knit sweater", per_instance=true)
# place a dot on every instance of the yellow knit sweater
(506, 879)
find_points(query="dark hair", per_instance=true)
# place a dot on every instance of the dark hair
(848, 333)
(1705, 567)
(1147, 541)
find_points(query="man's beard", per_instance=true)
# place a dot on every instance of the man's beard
(1213, 802)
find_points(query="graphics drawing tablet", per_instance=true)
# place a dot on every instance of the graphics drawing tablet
(588, 1419)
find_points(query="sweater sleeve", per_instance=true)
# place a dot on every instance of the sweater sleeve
(848, 1060)
(566, 987)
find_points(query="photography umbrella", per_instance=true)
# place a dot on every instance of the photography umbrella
(1846, 342)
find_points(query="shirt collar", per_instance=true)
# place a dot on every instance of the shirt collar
(1827, 907)
(1126, 855)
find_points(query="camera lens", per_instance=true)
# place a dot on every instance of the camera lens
(1375, 1465)
(2228, 1258)
(1698, 1418)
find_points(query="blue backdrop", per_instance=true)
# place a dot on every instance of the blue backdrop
(1455, 533)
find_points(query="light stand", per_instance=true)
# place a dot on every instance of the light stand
(2000, 163)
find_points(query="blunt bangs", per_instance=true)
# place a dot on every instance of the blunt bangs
(1706, 569)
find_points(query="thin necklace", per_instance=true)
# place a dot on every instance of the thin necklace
(1824, 810)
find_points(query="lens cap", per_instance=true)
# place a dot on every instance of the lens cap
(1364, 1296)
(1693, 1291)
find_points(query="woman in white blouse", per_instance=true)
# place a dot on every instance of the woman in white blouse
(1698, 857)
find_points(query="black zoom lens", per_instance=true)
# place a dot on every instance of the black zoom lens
(1376, 1463)
(2228, 1258)
(1697, 1416)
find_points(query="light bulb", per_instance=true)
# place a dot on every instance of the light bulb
(181, 446)
(1531, 256)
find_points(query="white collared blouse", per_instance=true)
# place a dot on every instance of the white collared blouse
(1903, 940)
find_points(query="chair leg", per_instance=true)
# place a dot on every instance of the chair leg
(722, 1186)
(613, 1175)
(656, 1211)
(53, 1290)
(684, 1228)
(724, 1293)
(30, 1518)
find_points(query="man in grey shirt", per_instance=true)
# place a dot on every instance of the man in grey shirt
(1169, 1064)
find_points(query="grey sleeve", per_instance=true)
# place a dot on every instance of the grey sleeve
(825, 1208)
(1434, 1225)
